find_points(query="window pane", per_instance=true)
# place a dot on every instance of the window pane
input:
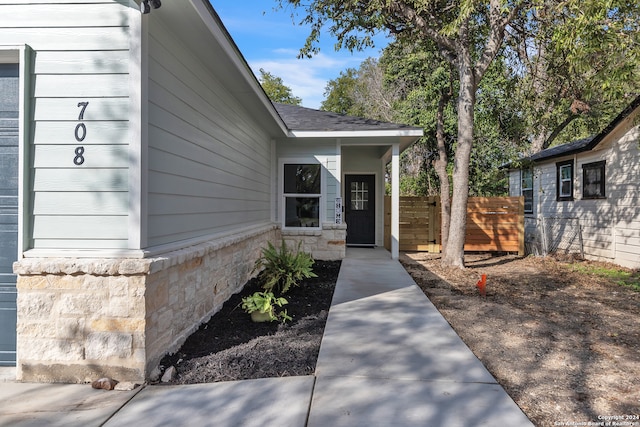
(528, 201)
(565, 172)
(527, 179)
(302, 212)
(359, 196)
(593, 180)
(302, 179)
(565, 189)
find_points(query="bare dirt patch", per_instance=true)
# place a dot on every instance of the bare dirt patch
(231, 347)
(564, 344)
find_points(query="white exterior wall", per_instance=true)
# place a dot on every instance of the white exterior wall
(611, 226)
(80, 54)
(209, 162)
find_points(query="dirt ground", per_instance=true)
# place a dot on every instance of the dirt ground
(564, 344)
(231, 347)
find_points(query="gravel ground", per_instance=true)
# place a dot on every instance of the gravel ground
(564, 344)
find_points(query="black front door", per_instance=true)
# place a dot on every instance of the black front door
(8, 210)
(360, 209)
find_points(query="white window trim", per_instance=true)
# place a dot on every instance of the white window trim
(21, 55)
(563, 180)
(523, 188)
(282, 197)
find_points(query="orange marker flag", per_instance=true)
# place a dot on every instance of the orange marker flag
(482, 285)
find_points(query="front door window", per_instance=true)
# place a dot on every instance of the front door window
(359, 196)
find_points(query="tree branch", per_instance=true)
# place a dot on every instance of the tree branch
(498, 23)
(571, 117)
(409, 13)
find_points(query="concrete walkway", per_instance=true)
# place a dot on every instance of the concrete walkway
(387, 358)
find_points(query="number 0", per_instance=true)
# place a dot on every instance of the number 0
(81, 132)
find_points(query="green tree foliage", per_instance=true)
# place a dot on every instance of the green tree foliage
(276, 90)
(579, 66)
(339, 93)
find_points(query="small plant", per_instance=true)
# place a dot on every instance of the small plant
(264, 303)
(282, 269)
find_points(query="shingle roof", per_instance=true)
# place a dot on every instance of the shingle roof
(564, 149)
(587, 143)
(307, 119)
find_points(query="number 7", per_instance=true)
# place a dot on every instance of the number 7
(84, 107)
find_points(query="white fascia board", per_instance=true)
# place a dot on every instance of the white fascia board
(357, 134)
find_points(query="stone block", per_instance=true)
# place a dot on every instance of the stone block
(30, 328)
(118, 286)
(119, 307)
(134, 266)
(117, 325)
(35, 305)
(70, 328)
(84, 304)
(107, 345)
(48, 349)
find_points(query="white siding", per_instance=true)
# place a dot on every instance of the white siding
(610, 226)
(81, 54)
(209, 162)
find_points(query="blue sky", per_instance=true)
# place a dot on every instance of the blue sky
(269, 39)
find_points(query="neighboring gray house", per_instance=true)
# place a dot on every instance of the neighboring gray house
(143, 170)
(586, 191)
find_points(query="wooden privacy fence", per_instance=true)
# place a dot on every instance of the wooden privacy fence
(494, 224)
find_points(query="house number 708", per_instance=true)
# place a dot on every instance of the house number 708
(80, 134)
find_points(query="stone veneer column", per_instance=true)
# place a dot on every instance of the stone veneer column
(82, 319)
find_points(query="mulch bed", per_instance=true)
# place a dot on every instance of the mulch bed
(231, 347)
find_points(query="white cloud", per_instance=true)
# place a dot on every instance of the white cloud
(307, 78)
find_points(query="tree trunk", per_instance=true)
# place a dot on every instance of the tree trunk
(454, 253)
(440, 165)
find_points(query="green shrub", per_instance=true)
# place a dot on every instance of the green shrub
(265, 302)
(281, 269)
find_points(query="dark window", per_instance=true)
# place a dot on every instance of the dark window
(302, 195)
(593, 180)
(564, 184)
(527, 190)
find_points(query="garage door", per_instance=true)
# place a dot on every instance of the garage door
(8, 209)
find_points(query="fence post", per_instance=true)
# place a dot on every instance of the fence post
(521, 226)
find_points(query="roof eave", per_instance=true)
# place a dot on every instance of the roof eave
(398, 133)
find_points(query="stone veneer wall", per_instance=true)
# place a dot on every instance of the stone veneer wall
(82, 319)
(328, 244)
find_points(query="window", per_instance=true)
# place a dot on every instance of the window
(564, 183)
(593, 180)
(527, 190)
(302, 195)
(359, 196)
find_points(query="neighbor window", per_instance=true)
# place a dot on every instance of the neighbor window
(302, 195)
(593, 180)
(565, 180)
(527, 190)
